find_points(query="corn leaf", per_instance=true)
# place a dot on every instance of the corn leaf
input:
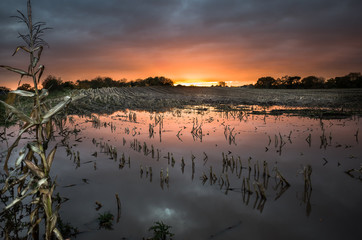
(58, 234)
(35, 201)
(35, 169)
(35, 147)
(14, 145)
(21, 157)
(9, 185)
(26, 127)
(53, 221)
(47, 203)
(35, 61)
(49, 129)
(23, 93)
(18, 113)
(33, 213)
(40, 71)
(40, 50)
(16, 70)
(56, 109)
(19, 199)
(25, 191)
(44, 93)
(50, 157)
(41, 182)
(34, 225)
(21, 47)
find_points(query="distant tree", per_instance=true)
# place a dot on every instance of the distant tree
(68, 85)
(265, 82)
(122, 83)
(312, 82)
(97, 82)
(163, 81)
(52, 83)
(222, 84)
(155, 81)
(355, 79)
(100, 82)
(83, 84)
(342, 82)
(330, 83)
(4, 90)
(290, 81)
(278, 83)
(352, 80)
(132, 83)
(26, 87)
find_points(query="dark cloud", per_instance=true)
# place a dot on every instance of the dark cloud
(121, 34)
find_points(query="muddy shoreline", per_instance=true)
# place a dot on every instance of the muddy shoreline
(315, 102)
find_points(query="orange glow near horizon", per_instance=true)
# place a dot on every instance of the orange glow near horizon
(197, 84)
(201, 83)
(201, 67)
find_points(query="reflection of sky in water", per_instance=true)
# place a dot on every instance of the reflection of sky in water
(205, 211)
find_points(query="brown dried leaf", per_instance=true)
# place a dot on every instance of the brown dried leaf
(14, 145)
(50, 157)
(56, 109)
(34, 225)
(58, 234)
(44, 93)
(40, 71)
(23, 93)
(35, 169)
(49, 129)
(40, 50)
(53, 221)
(33, 213)
(18, 113)
(26, 127)
(16, 70)
(21, 157)
(47, 203)
(35, 61)
(35, 147)
(21, 47)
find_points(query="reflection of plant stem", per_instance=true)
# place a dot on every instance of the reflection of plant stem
(118, 207)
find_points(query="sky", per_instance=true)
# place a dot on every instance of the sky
(189, 41)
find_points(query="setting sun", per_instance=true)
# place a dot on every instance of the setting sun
(196, 83)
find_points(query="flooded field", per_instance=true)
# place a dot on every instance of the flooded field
(208, 174)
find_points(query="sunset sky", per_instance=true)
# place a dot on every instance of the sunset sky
(189, 41)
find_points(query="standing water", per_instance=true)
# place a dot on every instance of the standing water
(210, 174)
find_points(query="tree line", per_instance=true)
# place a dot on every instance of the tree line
(352, 80)
(53, 83)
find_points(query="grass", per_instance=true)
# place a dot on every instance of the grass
(105, 220)
(161, 231)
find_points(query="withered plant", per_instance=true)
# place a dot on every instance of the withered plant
(29, 175)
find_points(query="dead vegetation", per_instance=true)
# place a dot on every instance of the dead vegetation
(334, 102)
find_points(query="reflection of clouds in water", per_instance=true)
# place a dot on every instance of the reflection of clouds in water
(164, 213)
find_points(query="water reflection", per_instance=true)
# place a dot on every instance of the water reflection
(196, 168)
